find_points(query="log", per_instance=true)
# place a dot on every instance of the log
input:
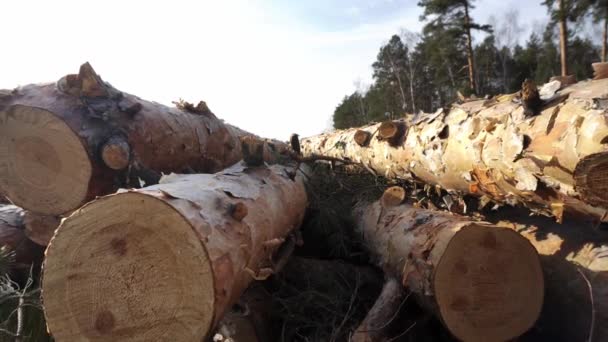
(375, 326)
(573, 260)
(248, 320)
(600, 70)
(167, 261)
(12, 235)
(552, 163)
(40, 228)
(484, 282)
(64, 143)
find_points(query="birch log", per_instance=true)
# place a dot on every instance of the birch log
(62, 144)
(166, 262)
(551, 163)
(485, 283)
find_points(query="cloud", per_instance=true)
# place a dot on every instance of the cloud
(259, 65)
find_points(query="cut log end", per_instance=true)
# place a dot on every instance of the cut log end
(387, 130)
(393, 196)
(362, 137)
(591, 178)
(41, 155)
(136, 275)
(116, 153)
(488, 284)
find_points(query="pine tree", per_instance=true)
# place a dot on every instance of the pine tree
(562, 12)
(390, 69)
(455, 15)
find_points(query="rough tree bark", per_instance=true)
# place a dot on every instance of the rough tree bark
(550, 163)
(166, 261)
(484, 282)
(570, 258)
(62, 144)
(12, 235)
(40, 228)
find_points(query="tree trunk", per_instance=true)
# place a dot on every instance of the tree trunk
(605, 39)
(570, 257)
(62, 144)
(12, 235)
(563, 38)
(40, 228)
(484, 282)
(374, 327)
(412, 88)
(396, 72)
(550, 163)
(167, 261)
(467, 28)
(600, 71)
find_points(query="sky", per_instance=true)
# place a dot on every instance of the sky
(269, 67)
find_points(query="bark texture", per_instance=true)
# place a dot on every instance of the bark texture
(484, 282)
(12, 235)
(552, 162)
(62, 144)
(167, 261)
(40, 228)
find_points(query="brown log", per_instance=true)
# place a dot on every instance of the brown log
(362, 137)
(484, 282)
(564, 80)
(165, 262)
(40, 228)
(12, 235)
(374, 327)
(248, 320)
(600, 70)
(490, 149)
(571, 257)
(62, 144)
(4, 200)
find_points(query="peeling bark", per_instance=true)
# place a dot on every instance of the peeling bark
(167, 261)
(488, 148)
(62, 144)
(484, 282)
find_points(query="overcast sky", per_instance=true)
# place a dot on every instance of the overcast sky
(270, 67)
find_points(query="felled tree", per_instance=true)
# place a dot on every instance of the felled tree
(551, 163)
(167, 261)
(63, 143)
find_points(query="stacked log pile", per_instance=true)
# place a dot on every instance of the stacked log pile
(166, 223)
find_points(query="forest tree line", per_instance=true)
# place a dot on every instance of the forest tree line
(424, 71)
